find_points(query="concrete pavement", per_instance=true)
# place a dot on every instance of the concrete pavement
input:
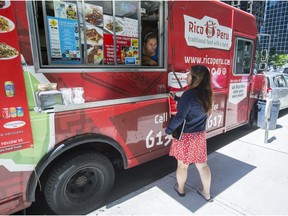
(249, 177)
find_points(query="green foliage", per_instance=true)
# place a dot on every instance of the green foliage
(278, 60)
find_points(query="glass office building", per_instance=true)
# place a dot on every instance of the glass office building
(276, 25)
(257, 8)
(272, 19)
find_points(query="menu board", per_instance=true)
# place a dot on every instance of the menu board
(15, 127)
(83, 34)
(64, 40)
(64, 34)
(127, 49)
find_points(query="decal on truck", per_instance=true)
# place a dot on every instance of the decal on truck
(206, 60)
(207, 33)
(238, 91)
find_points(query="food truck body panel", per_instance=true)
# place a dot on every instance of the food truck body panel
(123, 109)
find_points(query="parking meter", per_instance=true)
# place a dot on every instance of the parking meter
(268, 106)
(267, 116)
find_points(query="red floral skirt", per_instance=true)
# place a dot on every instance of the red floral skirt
(192, 148)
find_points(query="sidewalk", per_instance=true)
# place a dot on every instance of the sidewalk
(249, 177)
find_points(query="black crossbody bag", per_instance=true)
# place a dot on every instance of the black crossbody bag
(177, 134)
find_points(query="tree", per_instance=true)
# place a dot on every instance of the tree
(278, 60)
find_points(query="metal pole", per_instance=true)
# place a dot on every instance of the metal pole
(266, 131)
(176, 77)
(267, 116)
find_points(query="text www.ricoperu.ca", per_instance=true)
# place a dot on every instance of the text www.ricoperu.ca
(206, 60)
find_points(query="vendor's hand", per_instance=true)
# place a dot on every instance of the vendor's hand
(148, 61)
(172, 94)
(153, 63)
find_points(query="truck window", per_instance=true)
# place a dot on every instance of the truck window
(95, 34)
(243, 56)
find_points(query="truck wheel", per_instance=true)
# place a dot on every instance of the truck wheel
(79, 183)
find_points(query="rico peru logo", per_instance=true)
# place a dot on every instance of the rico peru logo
(210, 30)
(206, 33)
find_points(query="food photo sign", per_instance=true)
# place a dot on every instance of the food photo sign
(126, 31)
(15, 133)
(77, 36)
(93, 15)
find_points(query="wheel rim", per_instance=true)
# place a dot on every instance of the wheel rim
(84, 184)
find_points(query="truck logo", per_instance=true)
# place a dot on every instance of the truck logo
(207, 33)
(14, 124)
(210, 28)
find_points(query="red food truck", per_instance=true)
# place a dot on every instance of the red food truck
(77, 102)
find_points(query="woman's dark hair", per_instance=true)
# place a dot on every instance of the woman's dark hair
(148, 36)
(201, 80)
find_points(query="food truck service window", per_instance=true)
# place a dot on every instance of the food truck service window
(97, 34)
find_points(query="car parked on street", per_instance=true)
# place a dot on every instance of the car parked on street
(278, 83)
(285, 71)
(286, 77)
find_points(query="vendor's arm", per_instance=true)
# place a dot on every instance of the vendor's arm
(148, 61)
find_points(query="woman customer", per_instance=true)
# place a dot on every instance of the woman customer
(194, 105)
(150, 50)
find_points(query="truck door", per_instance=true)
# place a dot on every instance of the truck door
(240, 83)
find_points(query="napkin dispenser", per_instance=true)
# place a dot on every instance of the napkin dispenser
(48, 99)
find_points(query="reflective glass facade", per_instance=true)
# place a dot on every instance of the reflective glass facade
(276, 24)
(257, 8)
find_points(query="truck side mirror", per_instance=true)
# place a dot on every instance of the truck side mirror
(262, 66)
(264, 55)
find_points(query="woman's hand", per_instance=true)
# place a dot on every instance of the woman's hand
(172, 94)
(169, 136)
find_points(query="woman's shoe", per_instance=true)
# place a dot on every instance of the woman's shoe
(180, 194)
(201, 194)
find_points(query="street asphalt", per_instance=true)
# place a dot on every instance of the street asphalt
(249, 177)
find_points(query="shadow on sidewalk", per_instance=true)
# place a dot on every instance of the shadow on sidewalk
(225, 170)
(282, 113)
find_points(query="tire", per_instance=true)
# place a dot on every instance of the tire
(79, 183)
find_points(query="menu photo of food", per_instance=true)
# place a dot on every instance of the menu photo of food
(94, 54)
(4, 4)
(94, 35)
(93, 14)
(65, 10)
(134, 42)
(109, 27)
(7, 52)
(6, 25)
(128, 52)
